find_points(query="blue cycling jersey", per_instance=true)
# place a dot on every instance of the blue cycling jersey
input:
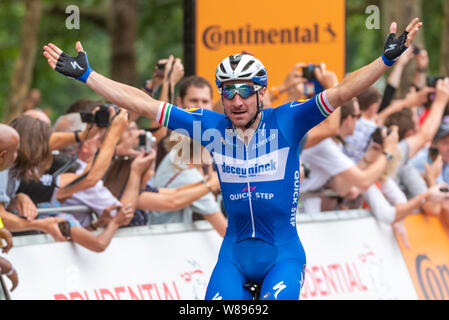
(259, 180)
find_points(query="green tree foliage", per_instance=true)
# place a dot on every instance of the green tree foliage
(159, 34)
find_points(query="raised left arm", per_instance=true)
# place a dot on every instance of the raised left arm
(358, 81)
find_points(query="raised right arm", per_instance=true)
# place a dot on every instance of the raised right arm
(123, 95)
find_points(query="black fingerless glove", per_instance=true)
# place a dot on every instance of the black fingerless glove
(77, 68)
(394, 47)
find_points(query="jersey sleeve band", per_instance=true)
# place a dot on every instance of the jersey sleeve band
(323, 105)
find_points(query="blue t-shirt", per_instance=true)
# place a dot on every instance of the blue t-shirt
(259, 181)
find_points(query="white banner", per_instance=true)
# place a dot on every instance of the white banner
(351, 259)
(354, 259)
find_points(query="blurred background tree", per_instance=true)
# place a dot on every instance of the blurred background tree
(125, 38)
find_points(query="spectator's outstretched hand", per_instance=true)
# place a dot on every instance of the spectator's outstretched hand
(143, 162)
(125, 215)
(434, 169)
(106, 215)
(418, 98)
(50, 226)
(327, 78)
(391, 141)
(436, 195)
(7, 236)
(442, 91)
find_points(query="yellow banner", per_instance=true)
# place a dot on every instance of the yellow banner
(427, 258)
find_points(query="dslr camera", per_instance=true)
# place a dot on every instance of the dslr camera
(377, 137)
(101, 117)
(432, 80)
(147, 141)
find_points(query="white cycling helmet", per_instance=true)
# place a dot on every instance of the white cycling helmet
(241, 67)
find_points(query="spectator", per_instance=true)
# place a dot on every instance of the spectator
(194, 92)
(327, 161)
(7, 269)
(173, 173)
(33, 100)
(414, 137)
(168, 199)
(38, 114)
(90, 191)
(356, 144)
(9, 144)
(394, 194)
(9, 147)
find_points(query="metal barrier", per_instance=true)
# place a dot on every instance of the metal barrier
(4, 293)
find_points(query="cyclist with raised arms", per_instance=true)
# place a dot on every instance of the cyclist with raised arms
(256, 153)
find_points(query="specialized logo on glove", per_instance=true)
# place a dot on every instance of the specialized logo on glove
(77, 68)
(394, 47)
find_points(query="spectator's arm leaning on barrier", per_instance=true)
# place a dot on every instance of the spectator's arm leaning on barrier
(24, 205)
(172, 199)
(97, 171)
(364, 178)
(430, 126)
(100, 242)
(6, 268)
(358, 81)
(7, 236)
(47, 225)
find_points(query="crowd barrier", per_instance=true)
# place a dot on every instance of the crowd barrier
(350, 255)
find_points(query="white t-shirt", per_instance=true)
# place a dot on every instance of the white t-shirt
(325, 160)
(96, 198)
(169, 175)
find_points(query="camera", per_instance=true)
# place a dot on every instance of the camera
(377, 137)
(308, 72)
(64, 227)
(433, 153)
(147, 141)
(416, 50)
(432, 80)
(101, 117)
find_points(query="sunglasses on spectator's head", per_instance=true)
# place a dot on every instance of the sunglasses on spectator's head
(244, 90)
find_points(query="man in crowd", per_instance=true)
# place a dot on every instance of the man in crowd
(9, 145)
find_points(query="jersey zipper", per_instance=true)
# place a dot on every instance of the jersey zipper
(250, 196)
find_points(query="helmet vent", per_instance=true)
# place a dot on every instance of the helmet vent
(249, 64)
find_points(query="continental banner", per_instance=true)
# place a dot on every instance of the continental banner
(427, 256)
(280, 34)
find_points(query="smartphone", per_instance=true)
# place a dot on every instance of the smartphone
(433, 153)
(64, 227)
